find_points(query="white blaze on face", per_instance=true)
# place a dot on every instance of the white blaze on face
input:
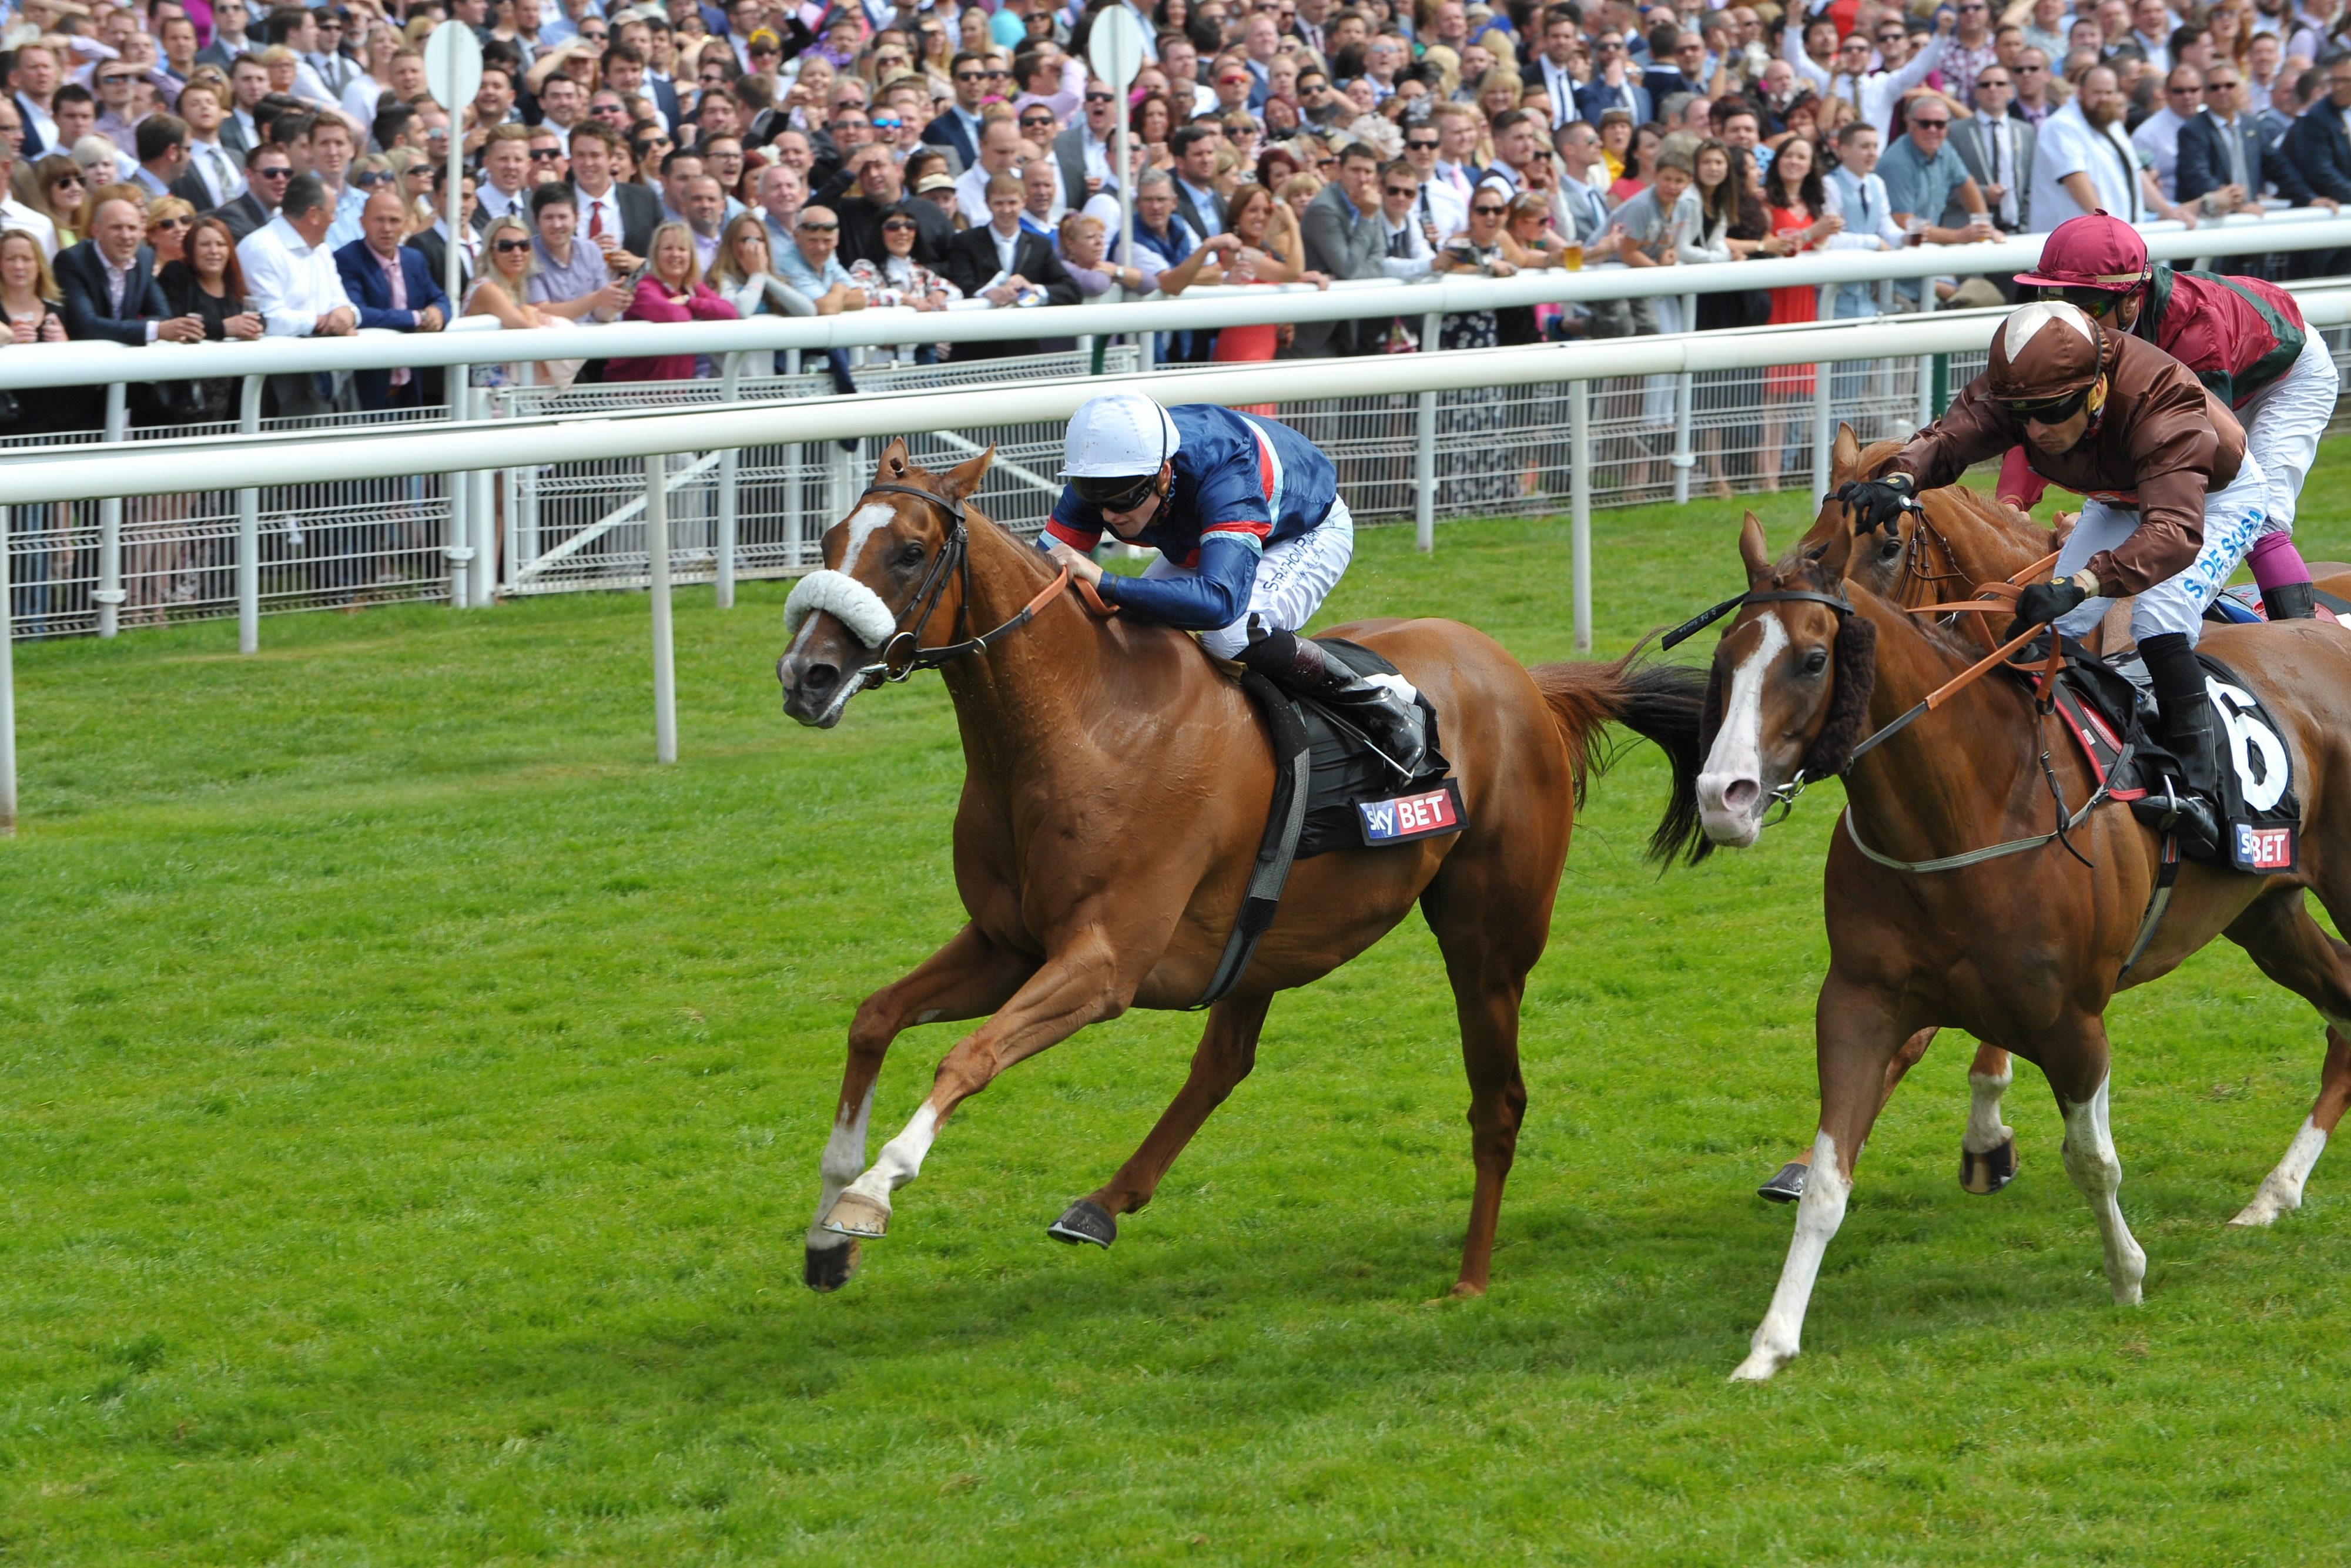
(838, 590)
(1730, 787)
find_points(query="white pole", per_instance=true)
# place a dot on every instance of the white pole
(665, 642)
(248, 529)
(1425, 481)
(8, 671)
(481, 512)
(1926, 361)
(1684, 458)
(108, 596)
(730, 480)
(451, 201)
(1126, 201)
(455, 550)
(1824, 421)
(1579, 442)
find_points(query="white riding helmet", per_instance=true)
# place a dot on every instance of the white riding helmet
(1119, 437)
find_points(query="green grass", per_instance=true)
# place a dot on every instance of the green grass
(410, 1100)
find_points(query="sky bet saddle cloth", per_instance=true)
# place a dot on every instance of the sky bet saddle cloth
(2103, 704)
(1353, 800)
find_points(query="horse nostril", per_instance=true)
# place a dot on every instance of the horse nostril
(1741, 795)
(818, 680)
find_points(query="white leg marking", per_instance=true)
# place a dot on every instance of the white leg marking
(844, 1157)
(2281, 1191)
(1731, 796)
(2091, 1161)
(901, 1159)
(1818, 1214)
(1985, 1131)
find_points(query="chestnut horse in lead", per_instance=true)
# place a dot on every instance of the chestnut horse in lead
(1115, 798)
(2025, 949)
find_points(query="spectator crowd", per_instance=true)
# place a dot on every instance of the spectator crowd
(181, 170)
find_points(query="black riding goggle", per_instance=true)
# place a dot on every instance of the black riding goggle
(2095, 303)
(2053, 411)
(1115, 491)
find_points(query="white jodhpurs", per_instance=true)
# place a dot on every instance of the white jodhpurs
(1292, 580)
(2282, 423)
(2232, 521)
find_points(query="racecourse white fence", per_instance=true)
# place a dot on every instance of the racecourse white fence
(95, 564)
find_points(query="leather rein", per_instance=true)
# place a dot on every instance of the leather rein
(904, 653)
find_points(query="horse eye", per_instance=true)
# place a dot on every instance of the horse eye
(1816, 661)
(910, 555)
(1891, 548)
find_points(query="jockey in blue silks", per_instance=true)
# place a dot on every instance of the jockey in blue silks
(1251, 533)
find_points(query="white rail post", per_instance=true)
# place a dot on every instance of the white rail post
(1926, 361)
(1823, 422)
(795, 482)
(1579, 507)
(483, 512)
(730, 480)
(108, 595)
(664, 640)
(8, 668)
(1684, 458)
(455, 550)
(248, 528)
(1424, 500)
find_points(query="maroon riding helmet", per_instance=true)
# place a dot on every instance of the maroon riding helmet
(2092, 262)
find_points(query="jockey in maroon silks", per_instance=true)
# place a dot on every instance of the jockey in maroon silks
(2246, 341)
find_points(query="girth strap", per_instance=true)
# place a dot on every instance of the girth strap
(1293, 760)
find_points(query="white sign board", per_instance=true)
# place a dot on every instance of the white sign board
(453, 66)
(1114, 48)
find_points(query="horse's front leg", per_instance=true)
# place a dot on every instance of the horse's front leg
(968, 977)
(1859, 1035)
(1092, 975)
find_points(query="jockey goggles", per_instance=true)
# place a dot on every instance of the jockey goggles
(2051, 410)
(2095, 303)
(1115, 491)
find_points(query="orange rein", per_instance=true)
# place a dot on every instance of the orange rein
(1993, 598)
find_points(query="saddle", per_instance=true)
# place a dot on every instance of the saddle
(2241, 606)
(2108, 707)
(1331, 790)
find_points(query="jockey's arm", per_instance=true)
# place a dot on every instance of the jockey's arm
(1215, 596)
(2170, 531)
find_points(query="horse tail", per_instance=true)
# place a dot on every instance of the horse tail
(1660, 703)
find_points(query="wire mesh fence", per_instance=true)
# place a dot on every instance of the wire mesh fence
(581, 526)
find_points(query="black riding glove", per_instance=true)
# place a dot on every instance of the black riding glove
(2044, 602)
(1878, 503)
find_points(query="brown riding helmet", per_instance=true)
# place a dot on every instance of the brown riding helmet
(2044, 352)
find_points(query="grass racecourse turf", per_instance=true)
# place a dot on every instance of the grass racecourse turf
(410, 1101)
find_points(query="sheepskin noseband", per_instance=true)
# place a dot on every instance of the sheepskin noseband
(859, 608)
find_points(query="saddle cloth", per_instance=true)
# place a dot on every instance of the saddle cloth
(1353, 799)
(2109, 709)
(2241, 606)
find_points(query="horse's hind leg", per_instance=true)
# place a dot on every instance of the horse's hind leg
(969, 976)
(2292, 949)
(1226, 1051)
(1988, 1145)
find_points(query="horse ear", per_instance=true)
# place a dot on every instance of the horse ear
(965, 478)
(1845, 457)
(1752, 552)
(1835, 550)
(893, 467)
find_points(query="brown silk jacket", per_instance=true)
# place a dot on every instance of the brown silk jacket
(2159, 444)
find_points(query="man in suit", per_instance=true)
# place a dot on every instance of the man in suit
(229, 20)
(1996, 147)
(266, 175)
(1194, 149)
(1614, 84)
(999, 260)
(1344, 238)
(110, 288)
(1085, 150)
(213, 168)
(619, 218)
(2318, 151)
(161, 144)
(2220, 149)
(958, 130)
(432, 243)
(393, 287)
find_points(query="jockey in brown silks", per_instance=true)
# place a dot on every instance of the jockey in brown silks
(2174, 499)
(2246, 341)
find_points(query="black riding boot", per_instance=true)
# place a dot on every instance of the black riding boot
(2290, 601)
(2190, 734)
(1388, 720)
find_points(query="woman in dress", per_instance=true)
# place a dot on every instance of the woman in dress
(1271, 250)
(1733, 227)
(744, 276)
(1795, 213)
(1641, 163)
(897, 278)
(671, 291)
(1467, 471)
(167, 221)
(205, 281)
(1151, 122)
(502, 291)
(29, 296)
(59, 188)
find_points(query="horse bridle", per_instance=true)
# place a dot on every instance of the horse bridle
(904, 653)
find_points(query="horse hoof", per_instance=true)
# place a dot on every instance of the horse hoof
(854, 1215)
(1788, 1185)
(828, 1268)
(1084, 1220)
(1987, 1173)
